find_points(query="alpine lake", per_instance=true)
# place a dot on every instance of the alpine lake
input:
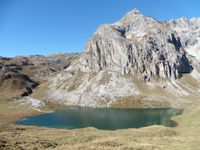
(103, 118)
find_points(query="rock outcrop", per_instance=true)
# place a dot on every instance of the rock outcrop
(136, 45)
(189, 33)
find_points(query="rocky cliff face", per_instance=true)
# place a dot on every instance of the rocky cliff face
(136, 45)
(119, 57)
(189, 33)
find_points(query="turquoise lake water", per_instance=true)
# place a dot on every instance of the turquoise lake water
(103, 118)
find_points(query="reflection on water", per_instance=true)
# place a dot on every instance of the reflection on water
(103, 118)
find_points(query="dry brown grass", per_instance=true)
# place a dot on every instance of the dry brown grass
(149, 138)
(185, 136)
(189, 81)
(9, 92)
(11, 111)
(139, 102)
(41, 91)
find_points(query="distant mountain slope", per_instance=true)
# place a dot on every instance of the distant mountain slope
(19, 76)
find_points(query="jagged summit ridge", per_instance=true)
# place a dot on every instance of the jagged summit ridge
(133, 13)
(135, 23)
(136, 45)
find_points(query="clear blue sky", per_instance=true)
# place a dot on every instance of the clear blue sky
(51, 26)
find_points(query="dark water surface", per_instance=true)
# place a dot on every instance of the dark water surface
(103, 118)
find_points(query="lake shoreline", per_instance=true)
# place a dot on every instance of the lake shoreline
(103, 118)
(182, 136)
(147, 138)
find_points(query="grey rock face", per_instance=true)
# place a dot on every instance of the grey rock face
(117, 55)
(189, 33)
(136, 45)
(187, 29)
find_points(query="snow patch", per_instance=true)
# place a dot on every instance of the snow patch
(32, 103)
(194, 50)
(195, 74)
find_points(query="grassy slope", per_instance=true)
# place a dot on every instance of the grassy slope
(149, 138)
(184, 136)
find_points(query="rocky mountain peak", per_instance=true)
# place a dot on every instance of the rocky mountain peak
(134, 12)
(136, 45)
(134, 16)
